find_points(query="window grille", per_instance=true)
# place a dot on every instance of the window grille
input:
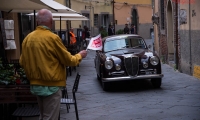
(96, 20)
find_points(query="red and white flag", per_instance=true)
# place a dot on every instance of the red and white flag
(95, 43)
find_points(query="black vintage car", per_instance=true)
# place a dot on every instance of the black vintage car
(126, 57)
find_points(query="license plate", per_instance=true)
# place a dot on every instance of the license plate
(148, 73)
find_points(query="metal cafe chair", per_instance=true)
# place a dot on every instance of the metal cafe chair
(68, 101)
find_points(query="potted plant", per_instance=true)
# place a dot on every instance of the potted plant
(9, 75)
(22, 76)
(103, 32)
(120, 31)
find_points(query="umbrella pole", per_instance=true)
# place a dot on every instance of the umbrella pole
(60, 26)
(68, 33)
(34, 20)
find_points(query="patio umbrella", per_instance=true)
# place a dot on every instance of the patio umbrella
(65, 17)
(28, 6)
(70, 15)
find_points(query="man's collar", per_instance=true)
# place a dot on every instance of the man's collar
(45, 27)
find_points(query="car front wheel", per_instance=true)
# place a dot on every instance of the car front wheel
(156, 82)
(98, 77)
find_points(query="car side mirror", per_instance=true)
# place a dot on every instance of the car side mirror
(98, 51)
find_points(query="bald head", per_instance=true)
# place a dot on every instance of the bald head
(44, 17)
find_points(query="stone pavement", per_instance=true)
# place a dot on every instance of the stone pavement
(177, 99)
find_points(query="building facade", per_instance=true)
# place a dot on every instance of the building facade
(99, 12)
(176, 30)
(137, 12)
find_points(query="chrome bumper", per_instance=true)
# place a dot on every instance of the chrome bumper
(132, 77)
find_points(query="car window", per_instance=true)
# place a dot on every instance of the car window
(114, 44)
(136, 42)
(122, 43)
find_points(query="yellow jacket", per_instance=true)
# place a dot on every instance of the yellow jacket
(44, 58)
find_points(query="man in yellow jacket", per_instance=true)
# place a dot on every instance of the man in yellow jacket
(44, 59)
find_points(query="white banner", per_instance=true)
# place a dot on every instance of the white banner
(95, 43)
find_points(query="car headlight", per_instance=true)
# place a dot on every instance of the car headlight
(145, 65)
(154, 60)
(117, 67)
(108, 64)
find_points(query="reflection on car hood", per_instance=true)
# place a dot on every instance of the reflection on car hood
(128, 52)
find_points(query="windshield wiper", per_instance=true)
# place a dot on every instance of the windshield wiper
(114, 50)
(140, 46)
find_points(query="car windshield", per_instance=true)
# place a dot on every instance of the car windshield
(117, 44)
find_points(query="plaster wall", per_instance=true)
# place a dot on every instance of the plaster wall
(145, 22)
(156, 3)
(135, 1)
(186, 57)
(122, 14)
(144, 30)
(194, 10)
(156, 38)
(190, 44)
(145, 14)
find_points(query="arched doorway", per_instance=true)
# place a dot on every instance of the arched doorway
(134, 19)
(170, 32)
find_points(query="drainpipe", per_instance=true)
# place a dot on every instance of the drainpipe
(190, 39)
(92, 21)
(177, 57)
(113, 6)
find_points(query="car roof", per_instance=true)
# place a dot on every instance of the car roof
(121, 35)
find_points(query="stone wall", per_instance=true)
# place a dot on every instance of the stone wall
(186, 57)
(144, 30)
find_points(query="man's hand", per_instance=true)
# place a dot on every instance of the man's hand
(83, 53)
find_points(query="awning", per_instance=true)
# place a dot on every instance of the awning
(62, 14)
(57, 6)
(70, 19)
(66, 16)
(28, 6)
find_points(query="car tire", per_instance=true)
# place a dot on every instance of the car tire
(156, 82)
(105, 86)
(98, 77)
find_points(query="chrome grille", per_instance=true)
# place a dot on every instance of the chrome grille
(131, 65)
